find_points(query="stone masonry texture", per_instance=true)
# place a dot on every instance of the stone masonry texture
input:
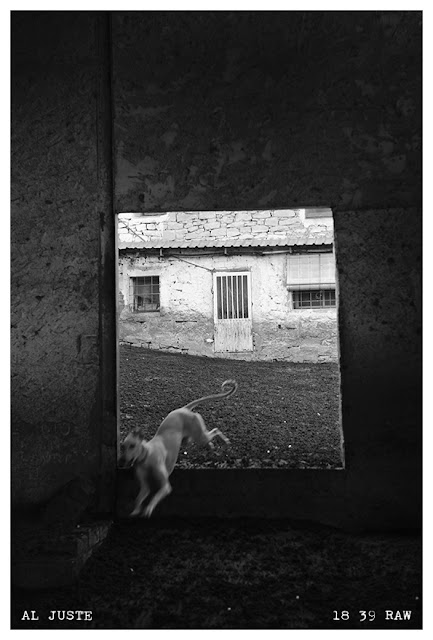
(134, 229)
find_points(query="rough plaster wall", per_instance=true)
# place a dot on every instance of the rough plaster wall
(220, 110)
(379, 262)
(178, 325)
(55, 232)
(185, 322)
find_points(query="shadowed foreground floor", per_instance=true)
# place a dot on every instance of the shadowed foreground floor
(249, 574)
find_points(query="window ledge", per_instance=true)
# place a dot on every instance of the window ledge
(315, 309)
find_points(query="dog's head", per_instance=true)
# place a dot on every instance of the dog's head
(131, 448)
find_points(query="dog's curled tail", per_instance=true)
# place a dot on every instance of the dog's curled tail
(227, 383)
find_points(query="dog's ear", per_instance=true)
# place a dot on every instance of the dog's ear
(138, 432)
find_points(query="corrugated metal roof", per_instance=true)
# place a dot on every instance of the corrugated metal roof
(212, 242)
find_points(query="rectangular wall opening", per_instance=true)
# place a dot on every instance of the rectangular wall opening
(206, 296)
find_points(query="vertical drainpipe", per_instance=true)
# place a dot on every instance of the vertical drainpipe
(108, 369)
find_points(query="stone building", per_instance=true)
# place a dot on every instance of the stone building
(252, 285)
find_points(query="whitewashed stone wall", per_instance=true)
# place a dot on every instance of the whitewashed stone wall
(185, 321)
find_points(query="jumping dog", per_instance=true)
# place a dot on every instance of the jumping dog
(155, 459)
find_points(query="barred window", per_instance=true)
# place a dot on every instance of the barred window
(144, 294)
(314, 298)
(232, 293)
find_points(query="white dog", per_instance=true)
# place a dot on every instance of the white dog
(155, 460)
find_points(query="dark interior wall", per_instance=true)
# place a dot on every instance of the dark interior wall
(238, 110)
(61, 214)
(214, 111)
(379, 261)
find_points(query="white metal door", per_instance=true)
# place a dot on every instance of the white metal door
(232, 311)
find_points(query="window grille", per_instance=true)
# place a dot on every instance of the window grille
(232, 296)
(314, 299)
(144, 294)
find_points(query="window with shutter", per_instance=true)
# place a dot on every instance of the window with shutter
(311, 278)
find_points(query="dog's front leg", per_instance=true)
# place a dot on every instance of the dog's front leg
(143, 493)
(159, 495)
(139, 501)
(165, 489)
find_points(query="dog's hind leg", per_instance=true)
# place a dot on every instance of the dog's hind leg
(203, 436)
(213, 433)
(143, 493)
(165, 489)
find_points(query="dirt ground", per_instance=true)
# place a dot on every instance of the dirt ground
(243, 574)
(283, 415)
